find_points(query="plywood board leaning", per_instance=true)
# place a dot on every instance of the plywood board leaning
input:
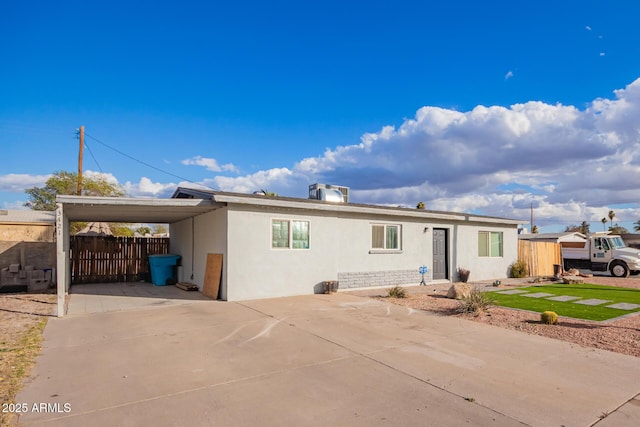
(212, 276)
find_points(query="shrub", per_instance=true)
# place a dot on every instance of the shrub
(477, 302)
(519, 269)
(463, 274)
(397, 292)
(549, 318)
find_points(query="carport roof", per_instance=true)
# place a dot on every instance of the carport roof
(126, 209)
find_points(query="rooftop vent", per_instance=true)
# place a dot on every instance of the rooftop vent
(330, 193)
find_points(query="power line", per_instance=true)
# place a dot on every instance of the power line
(93, 157)
(143, 162)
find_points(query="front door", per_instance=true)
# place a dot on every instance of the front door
(440, 259)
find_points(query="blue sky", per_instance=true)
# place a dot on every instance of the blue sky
(484, 107)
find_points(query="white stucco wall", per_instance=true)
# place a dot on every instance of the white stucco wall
(340, 243)
(209, 235)
(256, 270)
(485, 268)
(355, 253)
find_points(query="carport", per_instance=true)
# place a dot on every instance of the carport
(114, 209)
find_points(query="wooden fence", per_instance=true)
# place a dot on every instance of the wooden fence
(113, 259)
(539, 256)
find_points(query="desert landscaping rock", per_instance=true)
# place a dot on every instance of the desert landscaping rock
(572, 280)
(459, 290)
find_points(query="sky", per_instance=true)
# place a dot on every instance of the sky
(482, 107)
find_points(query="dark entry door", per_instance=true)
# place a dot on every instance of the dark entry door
(440, 246)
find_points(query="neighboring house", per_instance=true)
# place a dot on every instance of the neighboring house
(632, 240)
(27, 248)
(279, 246)
(27, 226)
(569, 236)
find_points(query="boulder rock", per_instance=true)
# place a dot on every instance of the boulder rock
(572, 280)
(459, 290)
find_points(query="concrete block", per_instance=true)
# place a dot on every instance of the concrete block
(37, 285)
(14, 268)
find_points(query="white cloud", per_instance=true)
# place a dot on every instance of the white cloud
(508, 75)
(588, 28)
(602, 53)
(18, 182)
(147, 188)
(106, 176)
(572, 164)
(494, 160)
(280, 180)
(210, 164)
(17, 205)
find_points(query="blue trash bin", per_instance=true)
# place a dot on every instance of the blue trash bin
(163, 269)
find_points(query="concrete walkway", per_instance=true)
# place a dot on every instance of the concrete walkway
(104, 297)
(320, 360)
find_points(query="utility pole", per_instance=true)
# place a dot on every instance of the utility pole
(80, 161)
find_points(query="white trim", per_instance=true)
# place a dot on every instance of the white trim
(346, 207)
(385, 249)
(290, 231)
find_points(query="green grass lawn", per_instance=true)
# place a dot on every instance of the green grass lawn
(570, 309)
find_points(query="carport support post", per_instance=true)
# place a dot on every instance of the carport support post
(62, 250)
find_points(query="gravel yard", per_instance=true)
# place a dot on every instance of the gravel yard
(620, 336)
(22, 320)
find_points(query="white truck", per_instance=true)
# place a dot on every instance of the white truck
(602, 252)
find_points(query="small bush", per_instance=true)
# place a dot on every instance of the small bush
(397, 292)
(519, 269)
(463, 274)
(549, 318)
(477, 302)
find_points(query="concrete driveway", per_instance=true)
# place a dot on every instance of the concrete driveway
(318, 360)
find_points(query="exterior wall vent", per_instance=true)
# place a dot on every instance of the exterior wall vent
(328, 192)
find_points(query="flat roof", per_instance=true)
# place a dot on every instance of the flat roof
(186, 203)
(183, 193)
(128, 209)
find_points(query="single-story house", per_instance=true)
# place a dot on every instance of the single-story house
(278, 246)
(282, 246)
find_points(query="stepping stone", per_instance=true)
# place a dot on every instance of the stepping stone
(538, 295)
(512, 292)
(624, 306)
(593, 301)
(563, 298)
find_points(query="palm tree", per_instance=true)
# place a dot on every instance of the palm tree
(420, 205)
(604, 222)
(611, 215)
(636, 225)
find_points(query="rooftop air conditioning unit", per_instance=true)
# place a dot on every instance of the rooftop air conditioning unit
(329, 193)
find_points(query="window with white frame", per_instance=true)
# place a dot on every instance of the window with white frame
(289, 234)
(489, 244)
(385, 236)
